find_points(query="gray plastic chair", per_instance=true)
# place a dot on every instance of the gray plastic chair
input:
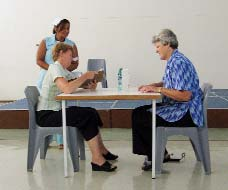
(39, 137)
(96, 65)
(198, 137)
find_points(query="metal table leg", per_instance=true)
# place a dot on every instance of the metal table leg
(153, 137)
(64, 137)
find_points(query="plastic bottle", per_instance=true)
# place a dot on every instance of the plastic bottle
(120, 85)
(125, 79)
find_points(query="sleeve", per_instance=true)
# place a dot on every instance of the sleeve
(181, 75)
(73, 43)
(56, 72)
(70, 42)
(73, 75)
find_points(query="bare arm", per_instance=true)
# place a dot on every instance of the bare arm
(69, 87)
(40, 56)
(74, 64)
(179, 95)
(159, 84)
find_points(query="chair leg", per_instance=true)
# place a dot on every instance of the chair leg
(44, 146)
(81, 146)
(33, 148)
(161, 140)
(195, 151)
(196, 146)
(203, 136)
(73, 147)
(81, 143)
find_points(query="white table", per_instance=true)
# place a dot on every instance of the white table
(109, 94)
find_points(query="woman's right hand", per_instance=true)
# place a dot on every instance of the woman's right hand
(143, 86)
(90, 74)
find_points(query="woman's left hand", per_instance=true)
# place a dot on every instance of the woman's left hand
(92, 85)
(150, 88)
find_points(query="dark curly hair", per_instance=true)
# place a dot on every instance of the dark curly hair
(61, 25)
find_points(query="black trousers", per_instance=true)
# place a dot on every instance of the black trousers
(86, 119)
(142, 128)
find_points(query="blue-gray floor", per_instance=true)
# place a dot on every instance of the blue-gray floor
(218, 99)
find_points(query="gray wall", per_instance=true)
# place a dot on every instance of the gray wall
(119, 31)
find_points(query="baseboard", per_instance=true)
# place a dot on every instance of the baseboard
(116, 118)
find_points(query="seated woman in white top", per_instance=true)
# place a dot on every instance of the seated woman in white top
(58, 79)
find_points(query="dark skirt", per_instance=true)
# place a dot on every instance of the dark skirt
(86, 119)
(142, 128)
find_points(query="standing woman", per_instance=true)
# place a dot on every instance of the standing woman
(61, 29)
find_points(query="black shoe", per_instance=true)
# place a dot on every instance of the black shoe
(169, 158)
(166, 158)
(107, 167)
(147, 167)
(147, 164)
(110, 156)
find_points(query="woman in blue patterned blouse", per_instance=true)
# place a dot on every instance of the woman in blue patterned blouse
(182, 97)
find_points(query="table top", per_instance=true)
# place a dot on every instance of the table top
(108, 94)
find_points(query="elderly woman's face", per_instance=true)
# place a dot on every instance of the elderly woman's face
(65, 58)
(162, 50)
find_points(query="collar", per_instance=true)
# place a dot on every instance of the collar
(173, 54)
(58, 63)
(54, 40)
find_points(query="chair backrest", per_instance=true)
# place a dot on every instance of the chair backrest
(96, 65)
(206, 88)
(32, 94)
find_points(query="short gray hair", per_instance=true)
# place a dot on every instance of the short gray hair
(166, 36)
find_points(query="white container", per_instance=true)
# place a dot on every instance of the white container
(119, 78)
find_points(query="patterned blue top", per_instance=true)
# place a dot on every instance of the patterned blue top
(180, 74)
(50, 42)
